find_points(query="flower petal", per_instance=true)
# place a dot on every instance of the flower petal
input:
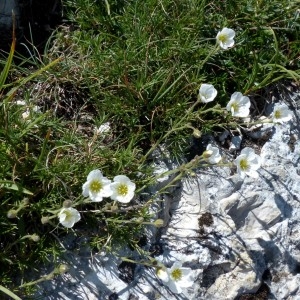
(94, 174)
(163, 275)
(175, 288)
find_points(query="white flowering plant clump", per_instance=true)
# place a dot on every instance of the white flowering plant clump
(122, 190)
(80, 137)
(247, 162)
(97, 187)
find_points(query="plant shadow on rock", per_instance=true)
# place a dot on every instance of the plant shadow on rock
(113, 296)
(211, 273)
(274, 256)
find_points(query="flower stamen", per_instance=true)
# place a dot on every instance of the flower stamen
(234, 107)
(223, 38)
(96, 186)
(244, 164)
(122, 189)
(68, 215)
(176, 274)
(277, 114)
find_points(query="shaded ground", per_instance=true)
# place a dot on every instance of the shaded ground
(34, 20)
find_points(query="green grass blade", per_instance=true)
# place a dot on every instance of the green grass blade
(32, 76)
(12, 186)
(6, 68)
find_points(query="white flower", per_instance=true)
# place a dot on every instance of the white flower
(212, 154)
(123, 189)
(176, 277)
(162, 274)
(68, 217)
(207, 93)
(281, 113)
(247, 163)
(26, 114)
(97, 186)
(36, 109)
(21, 102)
(225, 38)
(239, 105)
(104, 128)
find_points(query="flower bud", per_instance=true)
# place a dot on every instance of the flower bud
(158, 223)
(192, 173)
(25, 201)
(162, 274)
(63, 268)
(67, 203)
(268, 32)
(197, 133)
(140, 220)
(107, 206)
(35, 237)
(12, 214)
(45, 220)
(154, 262)
(114, 208)
(207, 154)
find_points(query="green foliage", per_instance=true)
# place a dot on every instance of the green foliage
(139, 65)
(148, 57)
(267, 31)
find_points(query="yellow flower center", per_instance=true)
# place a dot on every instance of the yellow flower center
(205, 95)
(244, 165)
(277, 114)
(68, 215)
(96, 186)
(176, 274)
(122, 189)
(235, 106)
(223, 38)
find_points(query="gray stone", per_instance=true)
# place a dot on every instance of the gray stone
(235, 143)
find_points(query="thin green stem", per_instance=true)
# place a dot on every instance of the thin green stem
(9, 293)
